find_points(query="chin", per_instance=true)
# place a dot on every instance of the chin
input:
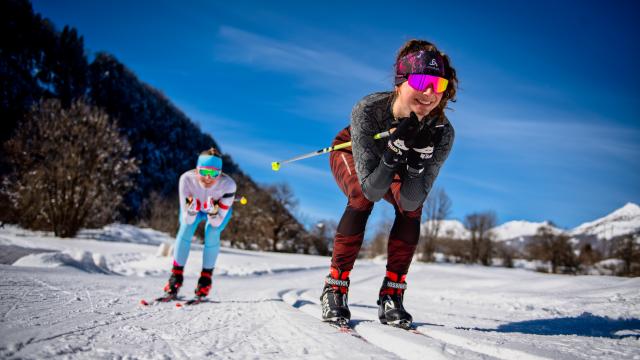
(421, 113)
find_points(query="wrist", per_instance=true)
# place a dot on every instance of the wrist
(391, 159)
(414, 172)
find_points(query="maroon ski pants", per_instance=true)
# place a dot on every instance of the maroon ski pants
(405, 232)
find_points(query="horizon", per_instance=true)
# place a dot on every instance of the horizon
(551, 222)
(555, 146)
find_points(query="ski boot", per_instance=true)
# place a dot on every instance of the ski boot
(204, 283)
(334, 297)
(175, 281)
(390, 308)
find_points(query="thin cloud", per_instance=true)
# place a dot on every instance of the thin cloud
(475, 182)
(573, 136)
(243, 47)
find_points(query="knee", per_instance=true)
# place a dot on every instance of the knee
(414, 214)
(212, 244)
(353, 221)
(359, 202)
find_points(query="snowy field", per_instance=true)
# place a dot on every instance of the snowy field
(80, 299)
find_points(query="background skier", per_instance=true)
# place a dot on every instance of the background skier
(206, 194)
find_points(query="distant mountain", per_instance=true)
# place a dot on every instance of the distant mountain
(623, 221)
(520, 229)
(448, 228)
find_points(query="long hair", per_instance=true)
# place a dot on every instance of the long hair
(450, 73)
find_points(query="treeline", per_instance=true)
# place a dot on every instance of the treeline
(553, 252)
(46, 73)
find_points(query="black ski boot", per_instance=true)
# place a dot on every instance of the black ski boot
(175, 281)
(390, 308)
(204, 283)
(334, 297)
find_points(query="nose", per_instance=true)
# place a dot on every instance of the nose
(428, 91)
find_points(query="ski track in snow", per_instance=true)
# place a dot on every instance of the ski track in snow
(460, 312)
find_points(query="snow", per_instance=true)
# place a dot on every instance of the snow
(82, 301)
(623, 221)
(448, 228)
(519, 229)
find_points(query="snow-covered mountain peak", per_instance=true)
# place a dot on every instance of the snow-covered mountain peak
(623, 221)
(448, 228)
(519, 228)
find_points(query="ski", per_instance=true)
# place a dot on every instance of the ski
(194, 301)
(413, 329)
(162, 299)
(343, 326)
(408, 327)
(400, 324)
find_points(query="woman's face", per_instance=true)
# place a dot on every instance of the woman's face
(409, 99)
(206, 181)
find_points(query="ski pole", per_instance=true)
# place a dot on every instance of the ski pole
(242, 200)
(275, 166)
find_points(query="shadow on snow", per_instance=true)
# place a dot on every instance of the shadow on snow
(586, 324)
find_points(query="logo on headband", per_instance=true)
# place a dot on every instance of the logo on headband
(420, 62)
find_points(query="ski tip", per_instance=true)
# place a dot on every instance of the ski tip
(144, 302)
(178, 305)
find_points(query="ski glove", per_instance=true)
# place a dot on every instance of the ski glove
(400, 141)
(422, 147)
(211, 207)
(191, 210)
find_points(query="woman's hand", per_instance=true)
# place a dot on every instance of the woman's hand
(422, 148)
(401, 140)
(211, 207)
(191, 210)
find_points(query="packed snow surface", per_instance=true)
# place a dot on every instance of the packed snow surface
(82, 300)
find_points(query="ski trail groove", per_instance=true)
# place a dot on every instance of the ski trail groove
(451, 342)
(405, 344)
(15, 304)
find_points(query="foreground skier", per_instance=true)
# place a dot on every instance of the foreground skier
(400, 170)
(206, 194)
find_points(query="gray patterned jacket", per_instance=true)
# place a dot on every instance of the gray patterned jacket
(373, 115)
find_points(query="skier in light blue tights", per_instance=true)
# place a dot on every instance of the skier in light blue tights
(206, 194)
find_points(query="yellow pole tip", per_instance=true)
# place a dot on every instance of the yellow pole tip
(275, 166)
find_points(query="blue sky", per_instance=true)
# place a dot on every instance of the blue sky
(547, 118)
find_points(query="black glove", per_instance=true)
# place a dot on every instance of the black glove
(400, 141)
(422, 147)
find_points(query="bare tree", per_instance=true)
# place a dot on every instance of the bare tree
(322, 236)
(506, 253)
(380, 241)
(588, 255)
(249, 227)
(281, 205)
(436, 209)
(554, 248)
(71, 168)
(627, 249)
(161, 213)
(479, 225)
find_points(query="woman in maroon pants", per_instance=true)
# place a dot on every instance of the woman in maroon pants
(401, 170)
